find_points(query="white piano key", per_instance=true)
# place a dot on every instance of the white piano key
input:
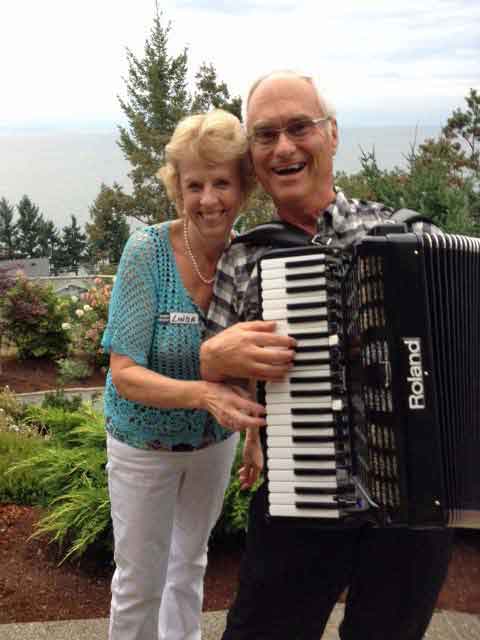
(282, 300)
(282, 408)
(282, 297)
(288, 386)
(281, 272)
(294, 512)
(287, 475)
(285, 442)
(291, 498)
(283, 464)
(280, 284)
(288, 431)
(274, 313)
(278, 262)
(279, 397)
(290, 487)
(280, 464)
(286, 419)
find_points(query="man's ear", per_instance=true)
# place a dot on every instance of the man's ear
(334, 135)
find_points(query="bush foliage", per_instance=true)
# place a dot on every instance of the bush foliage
(60, 465)
(32, 320)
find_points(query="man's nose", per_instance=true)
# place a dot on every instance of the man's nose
(284, 144)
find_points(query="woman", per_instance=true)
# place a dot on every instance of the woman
(170, 438)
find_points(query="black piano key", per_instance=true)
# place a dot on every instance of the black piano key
(298, 306)
(290, 277)
(308, 262)
(314, 439)
(312, 425)
(315, 472)
(316, 505)
(314, 491)
(309, 411)
(314, 318)
(310, 394)
(305, 288)
(311, 348)
(310, 336)
(312, 379)
(300, 362)
(314, 457)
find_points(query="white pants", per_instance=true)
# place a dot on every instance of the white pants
(164, 505)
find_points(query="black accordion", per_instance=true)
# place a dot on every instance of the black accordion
(379, 418)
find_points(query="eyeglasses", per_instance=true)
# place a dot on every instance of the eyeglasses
(295, 130)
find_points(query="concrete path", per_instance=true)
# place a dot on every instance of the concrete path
(446, 625)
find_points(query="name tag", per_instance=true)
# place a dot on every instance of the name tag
(179, 317)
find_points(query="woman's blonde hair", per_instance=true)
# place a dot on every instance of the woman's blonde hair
(214, 137)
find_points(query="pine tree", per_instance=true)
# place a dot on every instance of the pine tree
(8, 230)
(28, 225)
(109, 230)
(73, 246)
(50, 243)
(463, 131)
(212, 94)
(157, 97)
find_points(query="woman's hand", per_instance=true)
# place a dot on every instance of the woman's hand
(252, 461)
(232, 407)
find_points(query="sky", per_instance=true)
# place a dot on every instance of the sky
(381, 63)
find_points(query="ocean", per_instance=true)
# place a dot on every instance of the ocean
(62, 171)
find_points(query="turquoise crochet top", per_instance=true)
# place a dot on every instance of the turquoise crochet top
(153, 320)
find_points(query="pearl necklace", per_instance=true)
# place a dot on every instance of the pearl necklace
(192, 257)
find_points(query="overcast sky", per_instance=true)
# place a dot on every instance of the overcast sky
(381, 62)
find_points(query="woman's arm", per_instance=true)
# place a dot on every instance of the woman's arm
(228, 405)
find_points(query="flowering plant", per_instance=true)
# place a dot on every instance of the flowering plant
(88, 319)
(33, 320)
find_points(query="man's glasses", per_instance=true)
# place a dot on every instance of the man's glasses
(295, 130)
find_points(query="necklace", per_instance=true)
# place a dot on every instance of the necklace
(192, 257)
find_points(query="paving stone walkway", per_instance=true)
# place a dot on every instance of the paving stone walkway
(446, 625)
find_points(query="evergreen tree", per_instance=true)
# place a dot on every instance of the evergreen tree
(73, 246)
(212, 94)
(28, 225)
(157, 97)
(109, 230)
(8, 230)
(50, 243)
(463, 131)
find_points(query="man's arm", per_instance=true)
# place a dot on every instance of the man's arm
(247, 350)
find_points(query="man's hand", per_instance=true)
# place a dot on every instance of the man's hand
(247, 350)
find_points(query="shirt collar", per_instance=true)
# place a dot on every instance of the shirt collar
(334, 216)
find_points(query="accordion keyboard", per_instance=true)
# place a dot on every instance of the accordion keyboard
(305, 455)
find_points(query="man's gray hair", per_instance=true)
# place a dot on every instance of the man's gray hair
(325, 105)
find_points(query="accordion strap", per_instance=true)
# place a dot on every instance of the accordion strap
(281, 234)
(409, 217)
(276, 233)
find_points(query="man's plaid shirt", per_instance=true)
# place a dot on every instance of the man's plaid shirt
(235, 294)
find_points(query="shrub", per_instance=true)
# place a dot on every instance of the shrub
(67, 475)
(70, 370)
(9, 404)
(57, 399)
(25, 486)
(33, 320)
(233, 520)
(88, 319)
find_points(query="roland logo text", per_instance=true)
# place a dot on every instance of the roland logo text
(416, 388)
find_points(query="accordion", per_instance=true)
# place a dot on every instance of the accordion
(379, 417)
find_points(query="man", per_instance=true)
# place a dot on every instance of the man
(291, 577)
